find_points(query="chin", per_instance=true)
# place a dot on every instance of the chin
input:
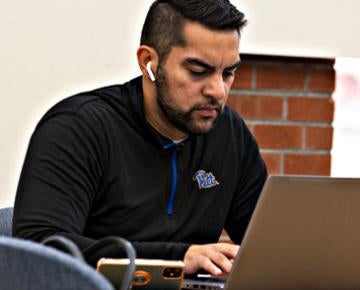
(202, 129)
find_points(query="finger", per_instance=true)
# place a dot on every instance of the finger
(210, 267)
(222, 262)
(228, 250)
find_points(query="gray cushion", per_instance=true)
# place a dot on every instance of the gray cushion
(6, 215)
(32, 266)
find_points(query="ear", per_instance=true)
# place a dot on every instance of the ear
(145, 54)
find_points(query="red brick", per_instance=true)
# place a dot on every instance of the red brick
(278, 136)
(310, 109)
(243, 77)
(307, 164)
(322, 80)
(319, 137)
(280, 77)
(257, 107)
(273, 162)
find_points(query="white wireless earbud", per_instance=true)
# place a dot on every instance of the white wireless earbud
(151, 74)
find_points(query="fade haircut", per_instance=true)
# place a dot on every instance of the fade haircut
(164, 23)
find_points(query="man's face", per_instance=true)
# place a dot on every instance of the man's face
(194, 83)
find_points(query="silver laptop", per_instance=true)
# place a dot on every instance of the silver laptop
(304, 234)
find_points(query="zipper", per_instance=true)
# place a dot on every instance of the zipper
(174, 177)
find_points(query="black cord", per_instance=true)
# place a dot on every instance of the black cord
(130, 252)
(65, 245)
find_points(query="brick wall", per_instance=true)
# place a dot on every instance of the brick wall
(287, 104)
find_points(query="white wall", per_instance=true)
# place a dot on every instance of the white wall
(323, 28)
(51, 49)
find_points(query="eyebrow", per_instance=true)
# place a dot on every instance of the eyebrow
(198, 62)
(234, 66)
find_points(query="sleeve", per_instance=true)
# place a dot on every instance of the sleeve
(252, 177)
(59, 179)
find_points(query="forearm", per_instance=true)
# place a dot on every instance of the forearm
(92, 253)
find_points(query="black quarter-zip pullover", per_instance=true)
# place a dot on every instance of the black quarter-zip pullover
(95, 168)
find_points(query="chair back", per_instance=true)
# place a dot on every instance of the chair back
(26, 265)
(6, 215)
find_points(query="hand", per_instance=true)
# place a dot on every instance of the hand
(216, 259)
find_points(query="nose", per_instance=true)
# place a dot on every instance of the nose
(215, 87)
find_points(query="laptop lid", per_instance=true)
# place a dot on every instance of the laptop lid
(304, 234)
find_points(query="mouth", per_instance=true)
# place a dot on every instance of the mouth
(208, 111)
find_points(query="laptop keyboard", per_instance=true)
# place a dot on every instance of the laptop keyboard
(202, 283)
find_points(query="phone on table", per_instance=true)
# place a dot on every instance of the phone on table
(149, 274)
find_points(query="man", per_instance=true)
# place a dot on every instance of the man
(160, 160)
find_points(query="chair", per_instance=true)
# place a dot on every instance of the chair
(6, 215)
(32, 266)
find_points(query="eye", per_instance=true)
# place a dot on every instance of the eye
(228, 73)
(198, 73)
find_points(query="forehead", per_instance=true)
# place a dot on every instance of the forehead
(217, 47)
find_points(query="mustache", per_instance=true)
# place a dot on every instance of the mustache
(212, 105)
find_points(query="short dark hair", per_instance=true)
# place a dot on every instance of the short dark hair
(163, 26)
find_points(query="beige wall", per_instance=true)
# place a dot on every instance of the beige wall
(51, 49)
(320, 28)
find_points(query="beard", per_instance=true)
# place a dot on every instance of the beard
(187, 121)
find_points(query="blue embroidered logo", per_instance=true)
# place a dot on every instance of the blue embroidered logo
(205, 180)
